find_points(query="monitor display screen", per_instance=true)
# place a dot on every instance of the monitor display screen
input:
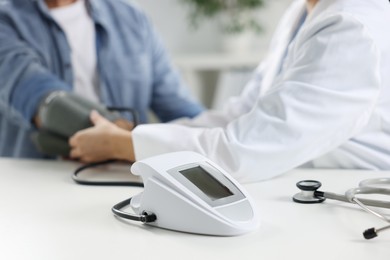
(207, 183)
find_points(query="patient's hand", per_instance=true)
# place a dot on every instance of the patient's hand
(105, 140)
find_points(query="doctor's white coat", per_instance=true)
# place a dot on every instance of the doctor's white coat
(321, 100)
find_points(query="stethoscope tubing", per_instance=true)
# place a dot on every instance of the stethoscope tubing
(348, 197)
(310, 194)
(368, 186)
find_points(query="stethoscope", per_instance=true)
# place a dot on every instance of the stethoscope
(310, 194)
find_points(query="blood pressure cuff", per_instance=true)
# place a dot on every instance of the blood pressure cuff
(61, 115)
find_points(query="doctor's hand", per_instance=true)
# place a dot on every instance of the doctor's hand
(105, 140)
(124, 124)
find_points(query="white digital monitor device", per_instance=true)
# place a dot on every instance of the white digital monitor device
(188, 192)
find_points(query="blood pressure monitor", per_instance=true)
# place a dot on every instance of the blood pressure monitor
(187, 192)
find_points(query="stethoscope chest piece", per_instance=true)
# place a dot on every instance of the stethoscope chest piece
(308, 194)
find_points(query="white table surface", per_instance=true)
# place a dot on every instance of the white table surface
(45, 215)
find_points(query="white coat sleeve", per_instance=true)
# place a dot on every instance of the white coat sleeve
(325, 95)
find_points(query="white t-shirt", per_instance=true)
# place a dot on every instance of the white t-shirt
(80, 32)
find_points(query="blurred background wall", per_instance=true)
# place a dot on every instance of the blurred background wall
(211, 73)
